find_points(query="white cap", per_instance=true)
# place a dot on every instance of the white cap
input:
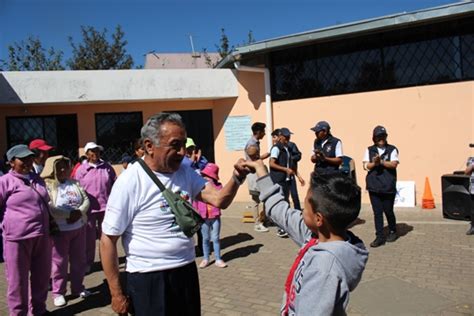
(92, 145)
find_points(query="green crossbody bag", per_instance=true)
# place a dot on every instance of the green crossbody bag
(186, 217)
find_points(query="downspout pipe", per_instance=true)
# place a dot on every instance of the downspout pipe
(268, 97)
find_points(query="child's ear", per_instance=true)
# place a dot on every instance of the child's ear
(319, 219)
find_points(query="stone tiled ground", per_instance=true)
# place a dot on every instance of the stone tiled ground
(428, 271)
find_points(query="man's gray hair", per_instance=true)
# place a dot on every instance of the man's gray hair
(152, 127)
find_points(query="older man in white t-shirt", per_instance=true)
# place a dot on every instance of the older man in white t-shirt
(162, 277)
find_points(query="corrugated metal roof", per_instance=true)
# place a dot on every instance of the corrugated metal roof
(389, 22)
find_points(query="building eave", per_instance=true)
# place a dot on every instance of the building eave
(106, 86)
(390, 22)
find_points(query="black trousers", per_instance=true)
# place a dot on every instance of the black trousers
(285, 185)
(294, 194)
(170, 292)
(382, 203)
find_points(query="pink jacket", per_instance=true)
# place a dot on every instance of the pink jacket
(25, 211)
(97, 181)
(207, 210)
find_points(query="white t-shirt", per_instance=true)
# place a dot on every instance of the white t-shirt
(69, 197)
(138, 212)
(393, 155)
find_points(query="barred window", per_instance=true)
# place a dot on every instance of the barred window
(116, 132)
(423, 55)
(60, 131)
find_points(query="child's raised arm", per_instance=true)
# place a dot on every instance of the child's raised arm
(276, 207)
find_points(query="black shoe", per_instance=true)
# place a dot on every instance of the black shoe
(377, 242)
(392, 236)
(470, 231)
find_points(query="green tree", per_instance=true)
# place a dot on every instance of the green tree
(30, 55)
(224, 47)
(96, 52)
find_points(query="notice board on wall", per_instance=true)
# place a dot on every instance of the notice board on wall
(405, 194)
(237, 131)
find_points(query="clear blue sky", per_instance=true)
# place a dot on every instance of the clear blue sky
(164, 26)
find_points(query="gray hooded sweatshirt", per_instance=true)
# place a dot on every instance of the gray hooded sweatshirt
(327, 272)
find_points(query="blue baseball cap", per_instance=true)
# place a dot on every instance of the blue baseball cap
(321, 125)
(285, 132)
(19, 151)
(379, 130)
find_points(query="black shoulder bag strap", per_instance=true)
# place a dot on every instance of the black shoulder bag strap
(152, 175)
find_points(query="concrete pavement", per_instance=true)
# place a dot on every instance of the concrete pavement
(429, 270)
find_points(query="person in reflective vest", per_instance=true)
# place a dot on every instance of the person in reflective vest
(381, 162)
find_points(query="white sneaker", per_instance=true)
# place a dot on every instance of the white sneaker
(59, 301)
(260, 228)
(85, 294)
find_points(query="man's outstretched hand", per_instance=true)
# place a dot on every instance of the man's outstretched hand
(256, 166)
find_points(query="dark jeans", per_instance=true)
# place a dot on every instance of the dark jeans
(169, 292)
(285, 185)
(294, 194)
(472, 209)
(383, 203)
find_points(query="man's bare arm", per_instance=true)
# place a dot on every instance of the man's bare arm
(109, 258)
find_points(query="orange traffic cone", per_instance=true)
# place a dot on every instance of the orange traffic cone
(428, 200)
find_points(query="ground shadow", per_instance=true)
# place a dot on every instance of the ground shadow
(235, 239)
(241, 252)
(357, 221)
(225, 243)
(402, 229)
(100, 297)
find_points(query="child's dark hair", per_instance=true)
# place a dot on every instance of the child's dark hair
(276, 132)
(258, 127)
(137, 144)
(337, 197)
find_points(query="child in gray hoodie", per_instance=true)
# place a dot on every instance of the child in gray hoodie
(331, 261)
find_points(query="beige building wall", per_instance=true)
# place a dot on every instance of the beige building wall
(432, 127)
(251, 101)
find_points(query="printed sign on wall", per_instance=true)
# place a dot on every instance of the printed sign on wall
(405, 194)
(237, 131)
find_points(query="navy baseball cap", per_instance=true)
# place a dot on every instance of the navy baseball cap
(321, 125)
(19, 151)
(285, 132)
(126, 158)
(379, 130)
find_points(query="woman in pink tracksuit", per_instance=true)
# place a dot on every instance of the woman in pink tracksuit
(27, 248)
(69, 205)
(96, 177)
